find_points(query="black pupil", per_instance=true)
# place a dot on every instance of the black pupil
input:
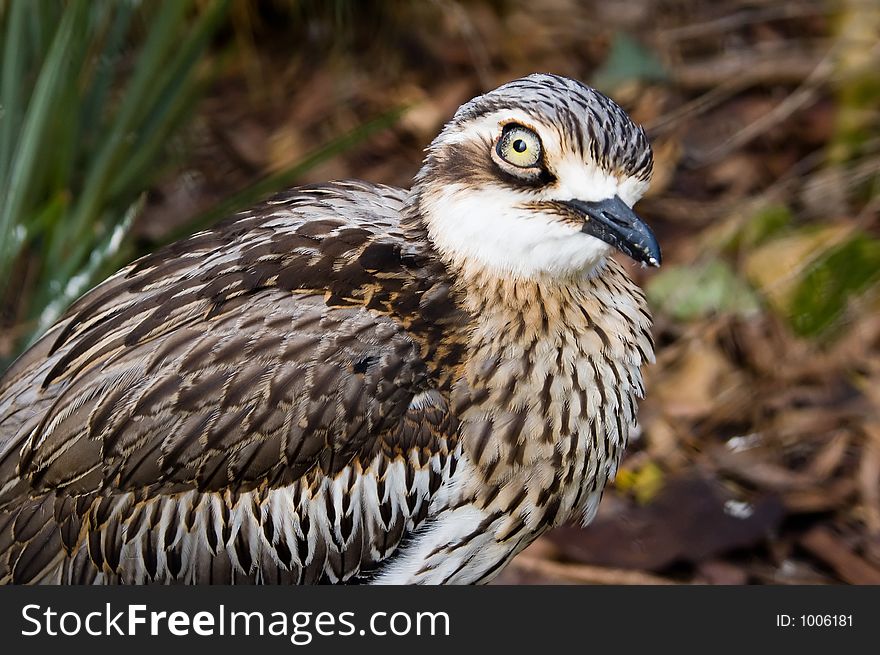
(519, 145)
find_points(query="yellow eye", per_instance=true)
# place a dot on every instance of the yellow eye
(519, 146)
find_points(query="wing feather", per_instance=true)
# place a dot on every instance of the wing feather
(227, 410)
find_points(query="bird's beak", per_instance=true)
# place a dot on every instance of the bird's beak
(615, 223)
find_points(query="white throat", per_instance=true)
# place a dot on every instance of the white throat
(479, 228)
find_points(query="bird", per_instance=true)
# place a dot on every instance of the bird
(350, 382)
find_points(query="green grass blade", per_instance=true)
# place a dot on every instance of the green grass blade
(99, 254)
(161, 40)
(11, 89)
(50, 83)
(105, 68)
(154, 139)
(176, 93)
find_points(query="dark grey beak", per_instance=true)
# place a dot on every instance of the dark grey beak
(616, 224)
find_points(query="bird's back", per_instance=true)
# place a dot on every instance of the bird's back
(237, 406)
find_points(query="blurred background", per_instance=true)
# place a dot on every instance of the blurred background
(127, 124)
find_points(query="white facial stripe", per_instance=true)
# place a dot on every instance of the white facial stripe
(579, 180)
(489, 127)
(632, 189)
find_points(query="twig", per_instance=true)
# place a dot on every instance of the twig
(743, 18)
(853, 569)
(790, 66)
(585, 574)
(699, 105)
(869, 477)
(800, 97)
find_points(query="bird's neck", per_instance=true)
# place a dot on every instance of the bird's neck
(533, 307)
(602, 317)
(552, 378)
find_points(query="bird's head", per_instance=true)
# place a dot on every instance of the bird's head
(537, 178)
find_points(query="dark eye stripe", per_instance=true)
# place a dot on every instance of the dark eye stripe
(541, 179)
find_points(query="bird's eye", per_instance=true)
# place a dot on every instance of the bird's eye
(519, 146)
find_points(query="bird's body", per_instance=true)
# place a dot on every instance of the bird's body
(346, 383)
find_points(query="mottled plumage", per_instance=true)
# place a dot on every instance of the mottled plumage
(350, 382)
